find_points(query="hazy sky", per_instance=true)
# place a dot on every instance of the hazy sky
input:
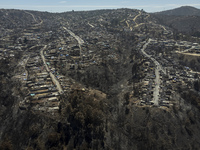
(68, 5)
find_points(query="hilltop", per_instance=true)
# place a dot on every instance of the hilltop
(185, 19)
(181, 11)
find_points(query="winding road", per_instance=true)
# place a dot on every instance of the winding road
(134, 19)
(41, 21)
(163, 27)
(31, 15)
(148, 15)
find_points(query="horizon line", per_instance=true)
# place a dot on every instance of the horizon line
(96, 7)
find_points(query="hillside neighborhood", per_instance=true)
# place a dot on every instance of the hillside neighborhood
(87, 71)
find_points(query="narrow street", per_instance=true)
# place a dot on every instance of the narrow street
(79, 40)
(158, 68)
(54, 80)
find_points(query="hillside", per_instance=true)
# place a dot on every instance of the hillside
(184, 19)
(97, 80)
(181, 11)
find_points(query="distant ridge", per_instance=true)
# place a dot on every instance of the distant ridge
(181, 11)
(184, 19)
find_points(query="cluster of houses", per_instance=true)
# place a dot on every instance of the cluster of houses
(175, 76)
(101, 44)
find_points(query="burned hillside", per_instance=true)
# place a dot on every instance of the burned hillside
(104, 79)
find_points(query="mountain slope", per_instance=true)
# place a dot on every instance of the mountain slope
(182, 11)
(185, 19)
(108, 63)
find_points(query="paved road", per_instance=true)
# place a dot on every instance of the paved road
(158, 68)
(80, 41)
(54, 80)
(157, 87)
